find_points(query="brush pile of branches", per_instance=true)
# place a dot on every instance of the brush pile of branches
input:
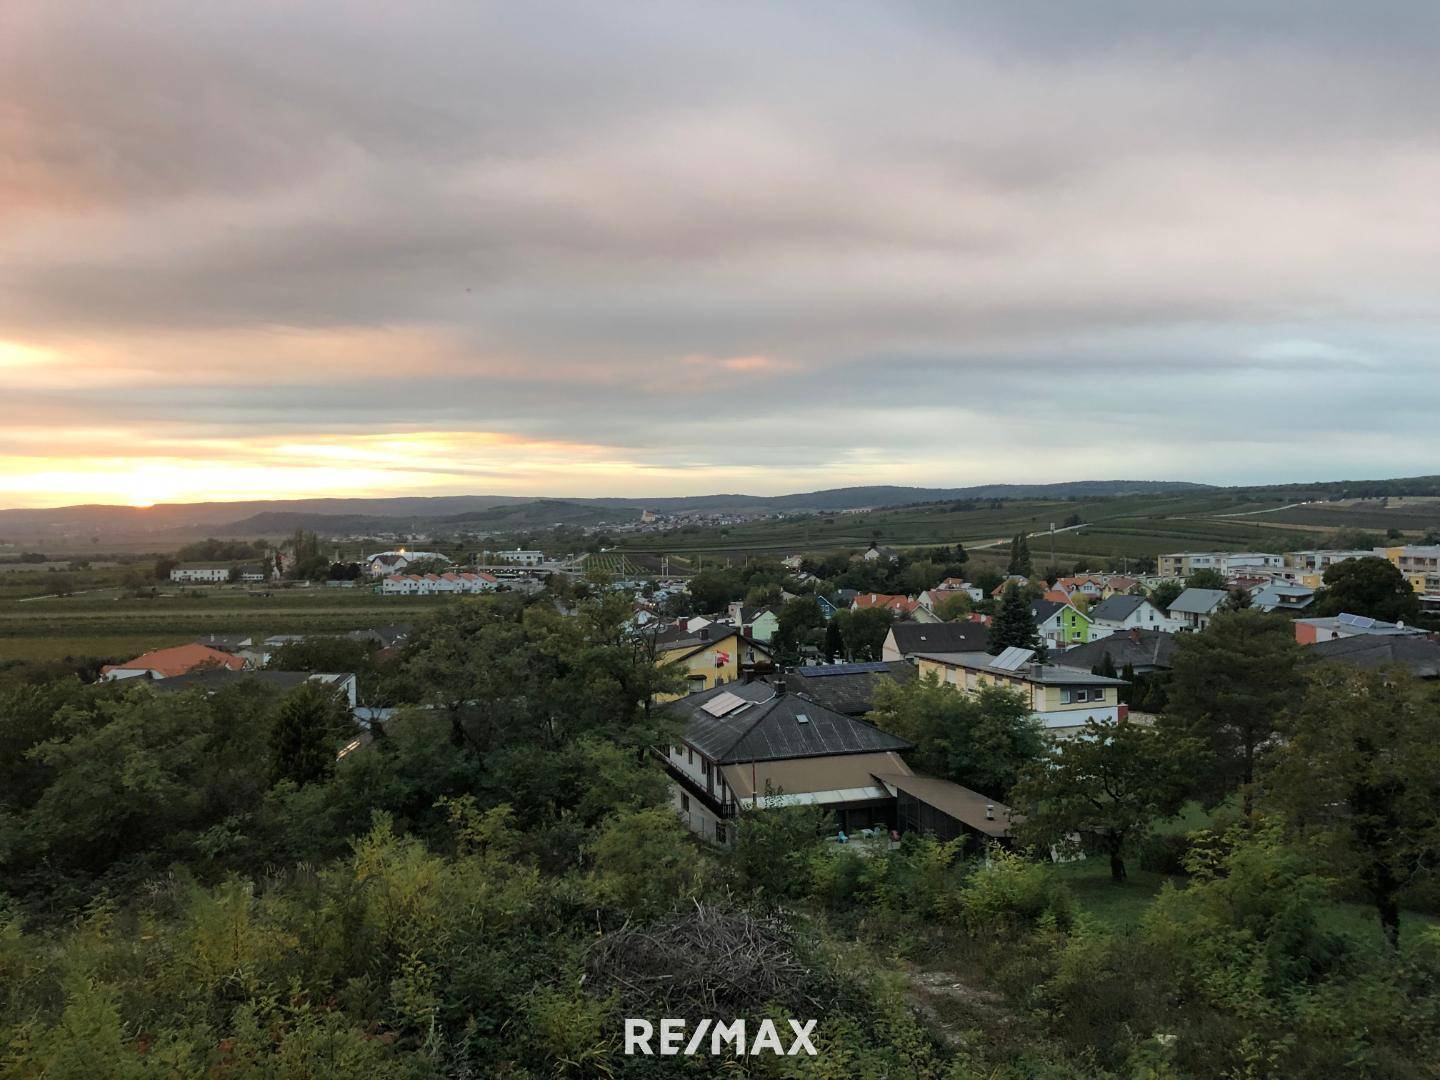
(705, 962)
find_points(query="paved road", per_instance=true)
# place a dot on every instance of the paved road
(1042, 532)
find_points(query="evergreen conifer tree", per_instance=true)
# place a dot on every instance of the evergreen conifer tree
(1013, 625)
(308, 725)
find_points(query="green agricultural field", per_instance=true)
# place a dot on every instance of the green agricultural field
(106, 624)
(1131, 527)
(111, 647)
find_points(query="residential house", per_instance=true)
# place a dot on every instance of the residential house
(394, 562)
(1092, 588)
(748, 747)
(906, 639)
(1181, 564)
(1194, 608)
(519, 557)
(1184, 563)
(256, 575)
(1060, 624)
(762, 624)
(448, 583)
(1308, 567)
(1420, 563)
(955, 584)
(201, 573)
(1061, 698)
(844, 688)
(1419, 655)
(1019, 580)
(1126, 612)
(169, 663)
(1309, 631)
(1119, 583)
(713, 655)
(899, 606)
(1280, 596)
(1145, 651)
(876, 552)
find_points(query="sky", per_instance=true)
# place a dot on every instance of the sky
(286, 249)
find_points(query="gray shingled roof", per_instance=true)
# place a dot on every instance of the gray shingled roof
(1040, 610)
(1044, 674)
(770, 729)
(847, 688)
(1153, 649)
(1116, 608)
(913, 637)
(1198, 601)
(1420, 655)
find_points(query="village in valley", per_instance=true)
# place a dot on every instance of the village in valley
(935, 748)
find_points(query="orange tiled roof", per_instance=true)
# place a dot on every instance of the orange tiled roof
(180, 659)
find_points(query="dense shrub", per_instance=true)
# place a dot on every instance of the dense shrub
(1010, 893)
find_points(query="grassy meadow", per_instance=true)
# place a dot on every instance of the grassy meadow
(100, 620)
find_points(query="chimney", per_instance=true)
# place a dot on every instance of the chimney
(704, 633)
(990, 811)
(1134, 633)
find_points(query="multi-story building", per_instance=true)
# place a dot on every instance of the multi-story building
(201, 573)
(1184, 563)
(437, 584)
(1061, 698)
(520, 558)
(1420, 563)
(746, 748)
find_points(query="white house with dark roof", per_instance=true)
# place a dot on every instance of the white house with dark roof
(904, 640)
(386, 563)
(1123, 612)
(1194, 608)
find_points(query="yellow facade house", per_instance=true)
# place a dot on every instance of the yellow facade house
(1061, 698)
(710, 656)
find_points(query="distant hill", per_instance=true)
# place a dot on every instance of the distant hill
(857, 498)
(172, 523)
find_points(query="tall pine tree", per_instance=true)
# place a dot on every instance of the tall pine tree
(308, 726)
(1012, 625)
(1020, 562)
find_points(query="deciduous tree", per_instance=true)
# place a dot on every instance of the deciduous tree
(1370, 586)
(1358, 773)
(1109, 784)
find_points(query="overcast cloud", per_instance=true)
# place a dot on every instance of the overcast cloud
(267, 249)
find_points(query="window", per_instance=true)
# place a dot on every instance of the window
(685, 802)
(689, 756)
(719, 832)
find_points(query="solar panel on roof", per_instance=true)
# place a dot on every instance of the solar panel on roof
(723, 704)
(1013, 658)
(1360, 622)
